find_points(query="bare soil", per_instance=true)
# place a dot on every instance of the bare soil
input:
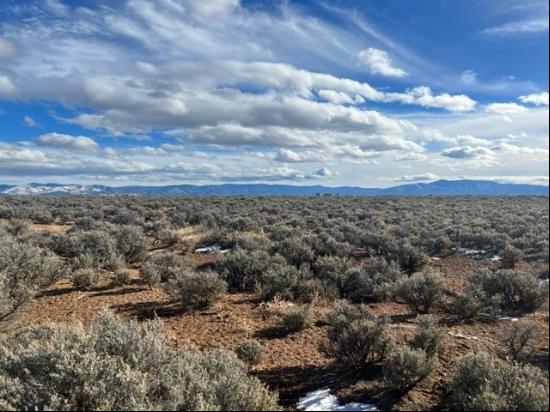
(292, 364)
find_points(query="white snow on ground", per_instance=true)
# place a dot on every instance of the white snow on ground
(211, 249)
(322, 400)
(478, 253)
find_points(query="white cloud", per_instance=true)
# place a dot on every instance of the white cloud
(7, 48)
(210, 8)
(506, 109)
(379, 62)
(64, 141)
(423, 96)
(538, 99)
(468, 153)
(418, 178)
(29, 121)
(530, 26)
(507, 148)
(57, 7)
(408, 157)
(7, 88)
(340, 97)
(468, 77)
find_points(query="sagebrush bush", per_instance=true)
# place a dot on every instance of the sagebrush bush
(250, 352)
(161, 267)
(466, 306)
(421, 291)
(121, 277)
(428, 336)
(357, 338)
(121, 366)
(518, 340)
(406, 367)
(332, 271)
(196, 290)
(510, 257)
(516, 291)
(97, 245)
(85, 278)
(280, 281)
(244, 269)
(409, 258)
(24, 270)
(130, 243)
(485, 384)
(297, 320)
(295, 250)
(372, 282)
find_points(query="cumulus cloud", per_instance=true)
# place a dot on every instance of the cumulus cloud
(418, 178)
(507, 148)
(423, 96)
(537, 99)
(65, 141)
(7, 88)
(467, 152)
(337, 97)
(505, 108)
(409, 157)
(379, 62)
(234, 89)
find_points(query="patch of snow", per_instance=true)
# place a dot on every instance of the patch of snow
(478, 254)
(508, 318)
(435, 258)
(543, 282)
(322, 400)
(211, 249)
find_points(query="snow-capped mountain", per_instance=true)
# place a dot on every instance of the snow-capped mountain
(37, 189)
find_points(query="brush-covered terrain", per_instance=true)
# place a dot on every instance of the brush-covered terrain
(252, 303)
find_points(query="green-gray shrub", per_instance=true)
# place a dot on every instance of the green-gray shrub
(196, 290)
(518, 340)
(406, 367)
(357, 338)
(121, 366)
(517, 292)
(24, 271)
(428, 336)
(85, 278)
(372, 282)
(161, 267)
(250, 352)
(421, 291)
(130, 243)
(485, 384)
(297, 320)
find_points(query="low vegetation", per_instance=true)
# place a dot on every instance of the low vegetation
(121, 366)
(378, 296)
(482, 383)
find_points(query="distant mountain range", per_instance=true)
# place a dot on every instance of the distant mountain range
(437, 188)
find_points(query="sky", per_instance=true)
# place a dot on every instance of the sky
(349, 92)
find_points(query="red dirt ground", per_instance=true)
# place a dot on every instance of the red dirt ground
(293, 364)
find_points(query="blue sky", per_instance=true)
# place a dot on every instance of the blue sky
(357, 92)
